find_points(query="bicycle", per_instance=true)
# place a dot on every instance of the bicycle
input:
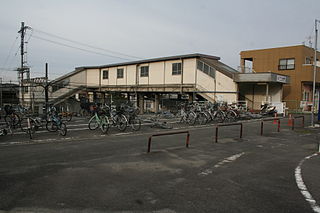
(117, 118)
(11, 117)
(99, 120)
(54, 124)
(28, 125)
(132, 117)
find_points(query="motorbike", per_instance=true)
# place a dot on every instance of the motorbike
(267, 110)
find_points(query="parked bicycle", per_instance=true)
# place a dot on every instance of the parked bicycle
(54, 123)
(99, 120)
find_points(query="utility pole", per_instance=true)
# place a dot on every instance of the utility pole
(1, 101)
(314, 72)
(46, 87)
(23, 69)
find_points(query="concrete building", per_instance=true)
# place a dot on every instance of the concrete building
(293, 61)
(192, 76)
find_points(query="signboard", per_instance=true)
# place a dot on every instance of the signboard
(281, 78)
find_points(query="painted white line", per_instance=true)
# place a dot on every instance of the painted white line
(303, 188)
(221, 163)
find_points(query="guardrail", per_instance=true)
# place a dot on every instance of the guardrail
(228, 124)
(294, 118)
(269, 119)
(169, 133)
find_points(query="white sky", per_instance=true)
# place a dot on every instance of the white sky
(148, 29)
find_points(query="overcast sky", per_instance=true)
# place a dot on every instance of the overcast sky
(146, 29)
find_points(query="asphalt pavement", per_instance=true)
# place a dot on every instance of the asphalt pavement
(87, 171)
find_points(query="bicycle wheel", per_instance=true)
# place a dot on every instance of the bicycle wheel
(12, 119)
(121, 122)
(219, 117)
(202, 119)
(93, 123)
(104, 124)
(135, 124)
(231, 116)
(192, 118)
(63, 129)
(51, 126)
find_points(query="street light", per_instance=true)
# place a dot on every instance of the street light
(314, 72)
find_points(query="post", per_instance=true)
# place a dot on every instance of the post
(46, 88)
(1, 101)
(241, 128)
(217, 134)
(261, 130)
(188, 139)
(21, 71)
(278, 125)
(156, 103)
(314, 73)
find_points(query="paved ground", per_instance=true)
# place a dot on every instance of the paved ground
(90, 172)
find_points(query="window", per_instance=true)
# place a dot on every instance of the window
(200, 65)
(105, 74)
(305, 96)
(176, 68)
(286, 64)
(206, 69)
(119, 73)
(308, 60)
(144, 71)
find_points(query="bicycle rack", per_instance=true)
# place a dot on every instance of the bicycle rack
(168, 133)
(295, 117)
(228, 124)
(269, 119)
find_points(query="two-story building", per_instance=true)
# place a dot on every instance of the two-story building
(193, 76)
(297, 62)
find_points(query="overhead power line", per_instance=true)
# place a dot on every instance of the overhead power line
(86, 45)
(78, 48)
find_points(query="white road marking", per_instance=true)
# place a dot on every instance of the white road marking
(303, 188)
(221, 163)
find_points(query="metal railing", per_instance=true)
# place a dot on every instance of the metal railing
(169, 133)
(228, 124)
(269, 119)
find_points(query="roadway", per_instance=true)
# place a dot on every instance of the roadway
(90, 172)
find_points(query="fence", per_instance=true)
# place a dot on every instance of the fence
(168, 133)
(228, 124)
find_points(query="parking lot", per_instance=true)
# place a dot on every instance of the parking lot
(87, 171)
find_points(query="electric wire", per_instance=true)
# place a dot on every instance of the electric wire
(9, 55)
(77, 48)
(86, 45)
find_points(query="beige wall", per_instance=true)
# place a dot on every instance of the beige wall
(189, 69)
(93, 77)
(156, 73)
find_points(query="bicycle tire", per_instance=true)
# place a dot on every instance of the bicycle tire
(12, 119)
(192, 118)
(93, 124)
(135, 124)
(231, 116)
(51, 126)
(219, 117)
(202, 119)
(104, 124)
(121, 122)
(63, 129)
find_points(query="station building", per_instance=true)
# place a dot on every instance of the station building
(155, 83)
